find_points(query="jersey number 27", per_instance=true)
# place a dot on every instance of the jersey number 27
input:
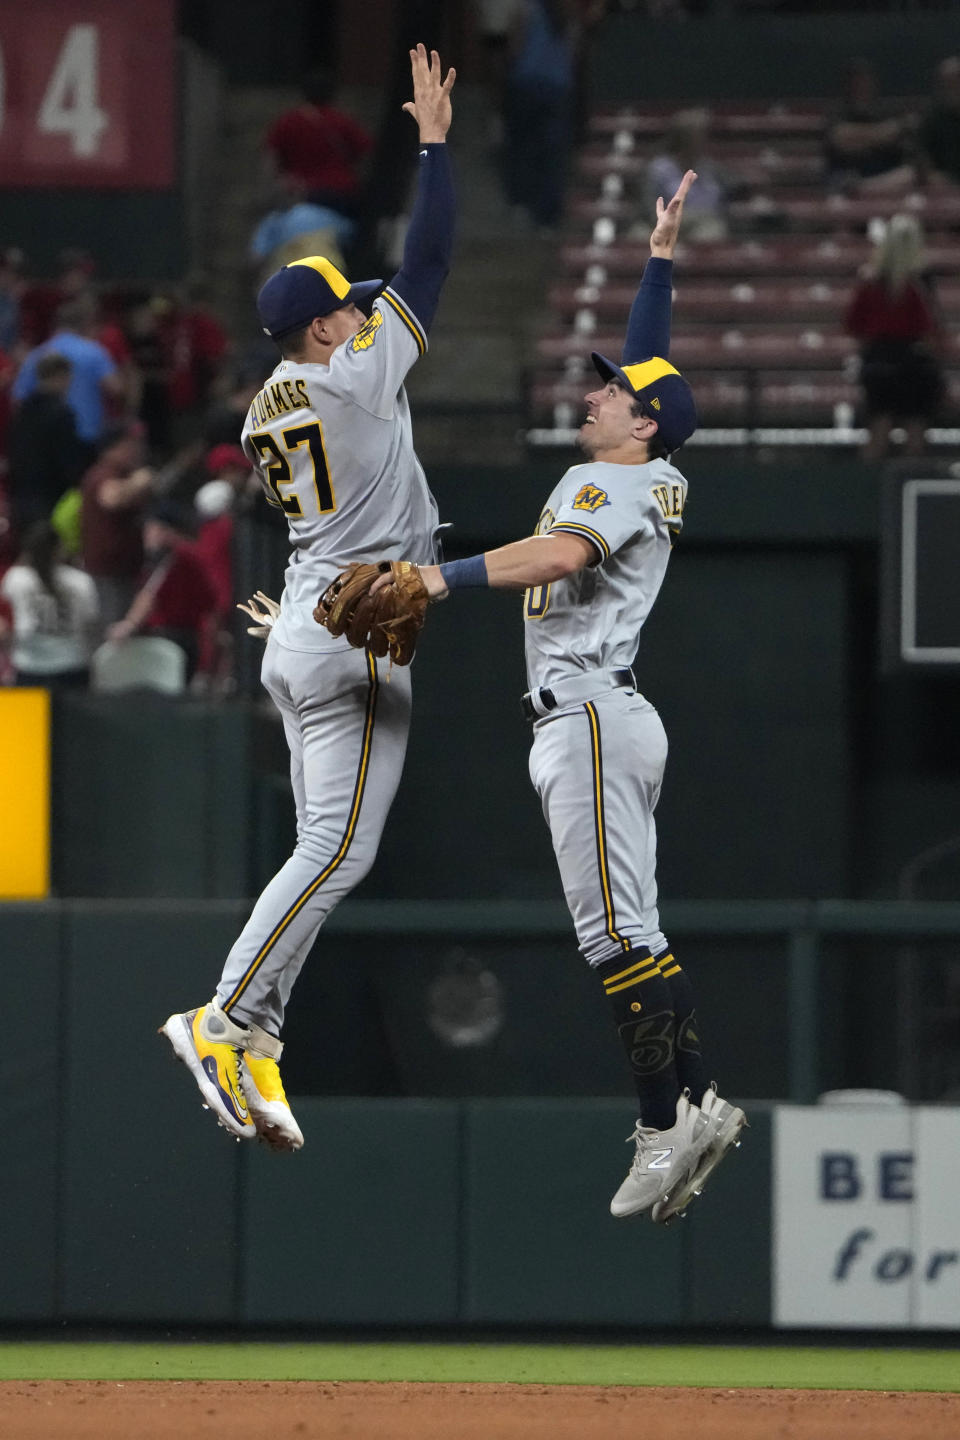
(277, 472)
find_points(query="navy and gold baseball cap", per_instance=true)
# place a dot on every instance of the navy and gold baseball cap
(304, 290)
(662, 391)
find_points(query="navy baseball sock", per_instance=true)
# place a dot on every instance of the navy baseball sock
(690, 1072)
(643, 1013)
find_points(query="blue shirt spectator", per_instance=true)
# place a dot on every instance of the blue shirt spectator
(94, 374)
(279, 227)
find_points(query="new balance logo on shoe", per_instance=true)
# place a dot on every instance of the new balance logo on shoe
(662, 1162)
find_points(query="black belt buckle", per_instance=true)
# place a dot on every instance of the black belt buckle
(547, 700)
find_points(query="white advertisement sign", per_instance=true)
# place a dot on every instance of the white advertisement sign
(866, 1216)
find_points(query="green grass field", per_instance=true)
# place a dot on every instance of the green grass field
(727, 1367)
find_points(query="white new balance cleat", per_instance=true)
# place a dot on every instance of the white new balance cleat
(664, 1159)
(724, 1124)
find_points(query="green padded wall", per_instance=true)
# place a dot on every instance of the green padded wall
(149, 1220)
(364, 1017)
(540, 1244)
(360, 1227)
(30, 1083)
(128, 1205)
(727, 1236)
(152, 797)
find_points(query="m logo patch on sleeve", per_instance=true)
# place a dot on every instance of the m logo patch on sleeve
(367, 333)
(588, 497)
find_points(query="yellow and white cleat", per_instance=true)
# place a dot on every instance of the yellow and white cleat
(263, 1089)
(209, 1043)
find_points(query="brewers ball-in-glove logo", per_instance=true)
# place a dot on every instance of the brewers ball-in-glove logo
(588, 497)
(367, 333)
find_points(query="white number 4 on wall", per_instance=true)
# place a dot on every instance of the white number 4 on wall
(69, 106)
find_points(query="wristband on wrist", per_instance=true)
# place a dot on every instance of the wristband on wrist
(472, 571)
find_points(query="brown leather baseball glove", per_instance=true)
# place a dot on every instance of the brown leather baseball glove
(387, 622)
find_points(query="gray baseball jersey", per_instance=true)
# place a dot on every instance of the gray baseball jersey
(592, 620)
(333, 447)
(599, 754)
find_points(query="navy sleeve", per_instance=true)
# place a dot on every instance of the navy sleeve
(429, 243)
(648, 329)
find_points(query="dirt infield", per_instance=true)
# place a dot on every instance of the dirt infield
(211, 1410)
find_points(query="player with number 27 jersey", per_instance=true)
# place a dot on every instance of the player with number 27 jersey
(333, 445)
(330, 437)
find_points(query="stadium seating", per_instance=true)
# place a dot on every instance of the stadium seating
(149, 662)
(758, 317)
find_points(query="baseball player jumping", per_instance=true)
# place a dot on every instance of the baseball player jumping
(591, 575)
(331, 440)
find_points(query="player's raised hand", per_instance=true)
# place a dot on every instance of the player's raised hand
(663, 237)
(430, 106)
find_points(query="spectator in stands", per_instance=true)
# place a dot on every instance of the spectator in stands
(297, 227)
(540, 109)
(893, 314)
(868, 148)
(939, 134)
(318, 149)
(231, 483)
(495, 21)
(40, 300)
(685, 144)
(11, 287)
(94, 378)
(45, 456)
(223, 423)
(115, 491)
(54, 608)
(175, 595)
(197, 347)
(8, 371)
(153, 407)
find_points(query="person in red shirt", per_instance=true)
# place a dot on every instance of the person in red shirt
(215, 504)
(176, 594)
(114, 492)
(318, 148)
(893, 314)
(195, 347)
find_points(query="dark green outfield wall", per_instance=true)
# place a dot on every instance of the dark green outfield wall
(122, 1201)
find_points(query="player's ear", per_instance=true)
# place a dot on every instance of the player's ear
(644, 427)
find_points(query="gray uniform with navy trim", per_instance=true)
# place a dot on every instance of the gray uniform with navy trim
(334, 450)
(599, 753)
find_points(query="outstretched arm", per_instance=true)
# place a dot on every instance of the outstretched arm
(536, 560)
(648, 328)
(429, 241)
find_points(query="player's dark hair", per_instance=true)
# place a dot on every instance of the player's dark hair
(292, 344)
(656, 450)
